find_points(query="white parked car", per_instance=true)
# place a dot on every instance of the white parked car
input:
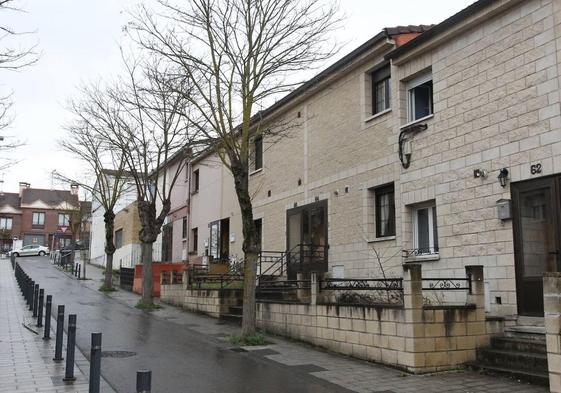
(31, 249)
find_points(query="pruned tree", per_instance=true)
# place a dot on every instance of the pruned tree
(150, 131)
(94, 117)
(13, 57)
(236, 56)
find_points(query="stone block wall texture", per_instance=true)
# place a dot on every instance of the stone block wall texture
(213, 302)
(496, 104)
(552, 306)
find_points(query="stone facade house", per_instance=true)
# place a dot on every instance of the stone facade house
(438, 145)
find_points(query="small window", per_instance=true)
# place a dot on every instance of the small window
(380, 89)
(38, 218)
(258, 146)
(420, 98)
(184, 228)
(6, 223)
(194, 240)
(259, 231)
(425, 234)
(118, 238)
(385, 211)
(195, 180)
(63, 219)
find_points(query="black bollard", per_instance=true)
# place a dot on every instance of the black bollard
(40, 308)
(143, 381)
(79, 270)
(95, 363)
(31, 292)
(35, 300)
(47, 330)
(59, 326)
(70, 349)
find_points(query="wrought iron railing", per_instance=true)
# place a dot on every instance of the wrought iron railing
(416, 252)
(448, 284)
(377, 284)
(215, 281)
(283, 285)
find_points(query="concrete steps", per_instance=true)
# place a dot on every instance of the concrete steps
(521, 352)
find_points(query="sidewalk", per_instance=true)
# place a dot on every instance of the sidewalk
(25, 358)
(351, 374)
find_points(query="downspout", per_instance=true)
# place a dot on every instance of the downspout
(188, 237)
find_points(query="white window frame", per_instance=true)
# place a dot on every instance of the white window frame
(4, 223)
(430, 208)
(412, 84)
(39, 222)
(66, 220)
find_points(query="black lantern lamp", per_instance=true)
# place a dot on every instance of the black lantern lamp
(503, 177)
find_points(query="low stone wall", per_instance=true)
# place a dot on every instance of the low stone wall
(412, 337)
(213, 302)
(552, 316)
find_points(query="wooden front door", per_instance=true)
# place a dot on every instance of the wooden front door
(536, 207)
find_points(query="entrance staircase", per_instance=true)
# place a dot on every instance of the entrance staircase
(520, 352)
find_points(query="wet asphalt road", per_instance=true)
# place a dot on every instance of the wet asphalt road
(181, 359)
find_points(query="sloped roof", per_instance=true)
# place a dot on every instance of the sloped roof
(9, 199)
(54, 198)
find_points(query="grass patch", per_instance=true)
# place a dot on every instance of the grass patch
(255, 340)
(104, 288)
(147, 307)
(216, 285)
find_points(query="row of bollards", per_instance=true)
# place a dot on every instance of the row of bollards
(34, 297)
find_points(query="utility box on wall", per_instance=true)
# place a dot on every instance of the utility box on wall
(504, 209)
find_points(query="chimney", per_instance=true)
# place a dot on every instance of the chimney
(74, 188)
(23, 186)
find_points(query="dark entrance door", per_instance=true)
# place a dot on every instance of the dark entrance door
(536, 207)
(306, 238)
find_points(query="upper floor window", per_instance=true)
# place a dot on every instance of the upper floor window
(184, 228)
(6, 223)
(38, 218)
(425, 233)
(195, 185)
(419, 97)
(258, 152)
(118, 238)
(380, 89)
(63, 219)
(194, 240)
(385, 211)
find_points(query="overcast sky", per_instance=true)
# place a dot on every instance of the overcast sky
(79, 41)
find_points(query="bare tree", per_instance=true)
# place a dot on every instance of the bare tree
(236, 55)
(94, 118)
(150, 132)
(13, 57)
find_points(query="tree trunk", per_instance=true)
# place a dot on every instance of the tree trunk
(109, 219)
(147, 282)
(108, 283)
(250, 248)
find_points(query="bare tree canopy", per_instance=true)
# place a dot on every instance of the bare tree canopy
(235, 56)
(94, 118)
(13, 57)
(151, 126)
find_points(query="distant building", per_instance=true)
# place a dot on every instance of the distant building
(38, 216)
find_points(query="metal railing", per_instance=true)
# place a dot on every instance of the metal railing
(417, 252)
(221, 281)
(448, 284)
(377, 284)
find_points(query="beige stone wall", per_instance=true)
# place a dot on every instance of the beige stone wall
(496, 104)
(127, 219)
(552, 306)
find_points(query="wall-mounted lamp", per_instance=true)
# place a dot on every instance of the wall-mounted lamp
(479, 173)
(503, 177)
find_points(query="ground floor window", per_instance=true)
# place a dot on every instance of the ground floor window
(425, 233)
(118, 238)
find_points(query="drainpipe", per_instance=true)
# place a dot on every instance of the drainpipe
(189, 178)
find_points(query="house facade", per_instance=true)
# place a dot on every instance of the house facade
(38, 216)
(437, 146)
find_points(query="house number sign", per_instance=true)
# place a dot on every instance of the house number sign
(536, 168)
